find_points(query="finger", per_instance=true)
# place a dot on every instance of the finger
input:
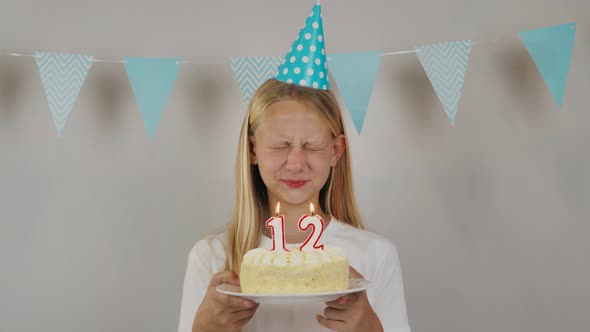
(226, 277)
(351, 299)
(336, 305)
(339, 303)
(239, 324)
(333, 325)
(236, 303)
(354, 273)
(245, 313)
(344, 301)
(335, 314)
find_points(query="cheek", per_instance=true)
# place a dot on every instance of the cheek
(269, 164)
(320, 166)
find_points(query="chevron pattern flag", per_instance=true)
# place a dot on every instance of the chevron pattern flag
(252, 71)
(445, 64)
(62, 76)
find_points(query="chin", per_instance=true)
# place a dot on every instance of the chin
(294, 198)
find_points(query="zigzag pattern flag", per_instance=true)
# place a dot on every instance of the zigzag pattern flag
(551, 49)
(251, 71)
(62, 75)
(445, 64)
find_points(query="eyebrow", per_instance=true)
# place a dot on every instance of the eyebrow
(285, 139)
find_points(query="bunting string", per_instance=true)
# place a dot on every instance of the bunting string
(205, 63)
(445, 64)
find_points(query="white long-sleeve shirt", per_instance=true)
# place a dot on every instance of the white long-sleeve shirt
(373, 256)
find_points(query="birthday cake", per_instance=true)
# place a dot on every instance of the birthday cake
(265, 271)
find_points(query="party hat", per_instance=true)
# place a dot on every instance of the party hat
(305, 63)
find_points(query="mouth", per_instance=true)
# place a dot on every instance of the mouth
(295, 183)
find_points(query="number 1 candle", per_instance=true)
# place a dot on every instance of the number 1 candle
(277, 226)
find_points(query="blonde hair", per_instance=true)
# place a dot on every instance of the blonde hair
(251, 198)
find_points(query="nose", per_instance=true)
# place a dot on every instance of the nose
(295, 159)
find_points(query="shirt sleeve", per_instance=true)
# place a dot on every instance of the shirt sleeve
(196, 281)
(389, 303)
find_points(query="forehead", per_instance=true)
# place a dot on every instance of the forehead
(292, 118)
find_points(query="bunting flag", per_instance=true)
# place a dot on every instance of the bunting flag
(62, 76)
(355, 75)
(251, 72)
(306, 64)
(551, 50)
(445, 64)
(152, 80)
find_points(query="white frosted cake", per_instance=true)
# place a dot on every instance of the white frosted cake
(278, 272)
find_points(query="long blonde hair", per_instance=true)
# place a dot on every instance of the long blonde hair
(251, 198)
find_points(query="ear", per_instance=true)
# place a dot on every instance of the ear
(252, 140)
(338, 149)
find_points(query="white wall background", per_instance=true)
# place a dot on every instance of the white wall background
(491, 216)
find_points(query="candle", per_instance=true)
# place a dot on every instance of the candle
(277, 226)
(317, 224)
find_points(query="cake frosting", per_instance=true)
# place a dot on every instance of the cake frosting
(265, 271)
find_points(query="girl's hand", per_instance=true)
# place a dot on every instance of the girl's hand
(220, 312)
(350, 313)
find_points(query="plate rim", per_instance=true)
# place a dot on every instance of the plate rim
(366, 284)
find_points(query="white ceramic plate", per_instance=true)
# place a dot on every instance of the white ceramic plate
(355, 285)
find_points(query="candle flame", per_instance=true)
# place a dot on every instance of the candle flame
(311, 209)
(278, 209)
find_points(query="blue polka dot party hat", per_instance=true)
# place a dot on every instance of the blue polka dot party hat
(305, 63)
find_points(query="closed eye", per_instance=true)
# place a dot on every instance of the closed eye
(313, 147)
(306, 146)
(281, 146)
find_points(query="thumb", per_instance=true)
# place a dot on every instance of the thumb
(354, 273)
(226, 277)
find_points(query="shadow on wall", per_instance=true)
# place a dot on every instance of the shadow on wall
(205, 89)
(524, 83)
(110, 90)
(419, 108)
(13, 81)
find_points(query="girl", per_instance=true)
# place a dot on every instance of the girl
(293, 149)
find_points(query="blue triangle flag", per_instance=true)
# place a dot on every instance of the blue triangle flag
(355, 75)
(152, 80)
(551, 50)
